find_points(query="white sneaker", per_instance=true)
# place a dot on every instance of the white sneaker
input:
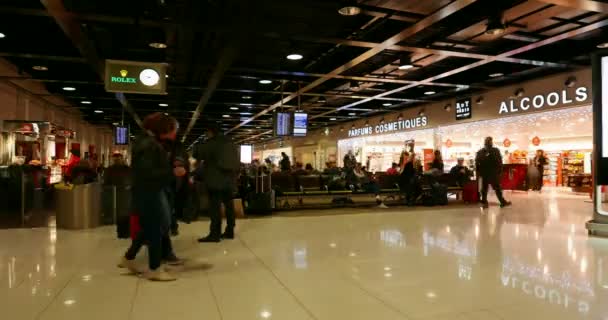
(159, 275)
(129, 264)
(383, 206)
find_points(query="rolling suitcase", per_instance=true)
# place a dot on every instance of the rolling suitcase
(262, 201)
(470, 192)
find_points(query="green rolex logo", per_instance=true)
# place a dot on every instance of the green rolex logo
(123, 78)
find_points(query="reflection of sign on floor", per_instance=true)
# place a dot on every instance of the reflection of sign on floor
(550, 288)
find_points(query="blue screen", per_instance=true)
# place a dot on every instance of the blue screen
(300, 124)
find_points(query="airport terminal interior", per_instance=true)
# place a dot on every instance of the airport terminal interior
(348, 141)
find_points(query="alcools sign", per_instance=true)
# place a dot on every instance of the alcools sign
(540, 101)
(389, 127)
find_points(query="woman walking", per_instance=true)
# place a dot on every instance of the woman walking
(153, 177)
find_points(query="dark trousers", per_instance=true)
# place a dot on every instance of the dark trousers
(154, 217)
(216, 198)
(140, 240)
(493, 181)
(541, 171)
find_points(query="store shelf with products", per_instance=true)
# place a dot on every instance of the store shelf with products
(573, 164)
(580, 182)
(552, 172)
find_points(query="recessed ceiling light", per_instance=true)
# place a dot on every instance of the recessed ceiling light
(496, 75)
(226, 116)
(603, 45)
(351, 10)
(246, 97)
(387, 104)
(405, 66)
(258, 127)
(85, 102)
(166, 114)
(265, 81)
(295, 56)
(428, 93)
(40, 68)
(69, 89)
(352, 114)
(163, 104)
(2, 35)
(166, 76)
(332, 119)
(234, 108)
(495, 25)
(115, 123)
(246, 113)
(98, 111)
(158, 45)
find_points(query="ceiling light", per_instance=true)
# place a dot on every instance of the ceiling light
(400, 117)
(166, 114)
(519, 92)
(166, 76)
(387, 104)
(332, 119)
(570, 82)
(496, 75)
(163, 105)
(322, 99)
(40, 68)
(69, 89)
(602, 45)
(258, 127)
(158, 45)
(2, 35)
(226, 116)
(98, 111)
(115, 123)
(246, 97)
(295, 56)
(85, 102)
(479, 100)
(428, 93)
(447, 107)
(353, 84)
(352, 114)
(265, 81)
(350, 10)
(495, 25)
(421, 113)
(234, 108)
(405, 63)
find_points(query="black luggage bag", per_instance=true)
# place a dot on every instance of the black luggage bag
(261, 202)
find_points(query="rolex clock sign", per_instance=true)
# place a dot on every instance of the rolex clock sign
(135, 77)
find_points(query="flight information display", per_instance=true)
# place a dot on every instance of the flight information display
(300, 124)
(121, 136)
(282, 124)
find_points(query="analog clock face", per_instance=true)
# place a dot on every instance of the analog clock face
(149, 77)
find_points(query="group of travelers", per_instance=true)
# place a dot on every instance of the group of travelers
(159, 191)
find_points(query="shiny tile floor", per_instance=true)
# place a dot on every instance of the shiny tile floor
(532, 261)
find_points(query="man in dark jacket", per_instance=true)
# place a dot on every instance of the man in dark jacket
(221, 164)
(489, 168)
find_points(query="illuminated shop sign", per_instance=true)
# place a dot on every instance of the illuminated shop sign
(123, 78)
(540, 101)
(389, 127)
(463, 109)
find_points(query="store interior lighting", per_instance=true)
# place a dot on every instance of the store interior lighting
(405, 63)
(295, 57)
(265, 81)
(2, 35)
(349, 8)
(496, 75)
(40, 68)
(157, 45)
(479, 100)
(602, 45)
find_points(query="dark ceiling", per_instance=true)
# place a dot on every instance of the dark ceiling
(219, 50)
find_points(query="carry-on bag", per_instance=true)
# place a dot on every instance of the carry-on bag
(262, 201)
(470, 192)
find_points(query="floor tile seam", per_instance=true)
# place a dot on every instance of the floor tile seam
(55, 297)
(295, 297)
(215, 299)
(377, 298)
(132, 308)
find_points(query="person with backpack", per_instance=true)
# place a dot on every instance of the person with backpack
(489, 167)
(220, 169)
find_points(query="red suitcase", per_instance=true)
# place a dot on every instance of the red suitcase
(470, 192)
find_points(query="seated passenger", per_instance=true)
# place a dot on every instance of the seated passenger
(299, 170)
(310, 170)
(461, 173)
(394, 170)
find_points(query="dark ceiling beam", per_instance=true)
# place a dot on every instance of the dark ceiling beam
(72, 30)
(532, 46)
(587, 5)
(406, 33)
(442, 52)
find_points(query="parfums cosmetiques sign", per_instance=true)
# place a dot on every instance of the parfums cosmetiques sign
(389, 127)
(541, 101)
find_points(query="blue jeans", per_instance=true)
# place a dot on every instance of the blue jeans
(155, 219)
